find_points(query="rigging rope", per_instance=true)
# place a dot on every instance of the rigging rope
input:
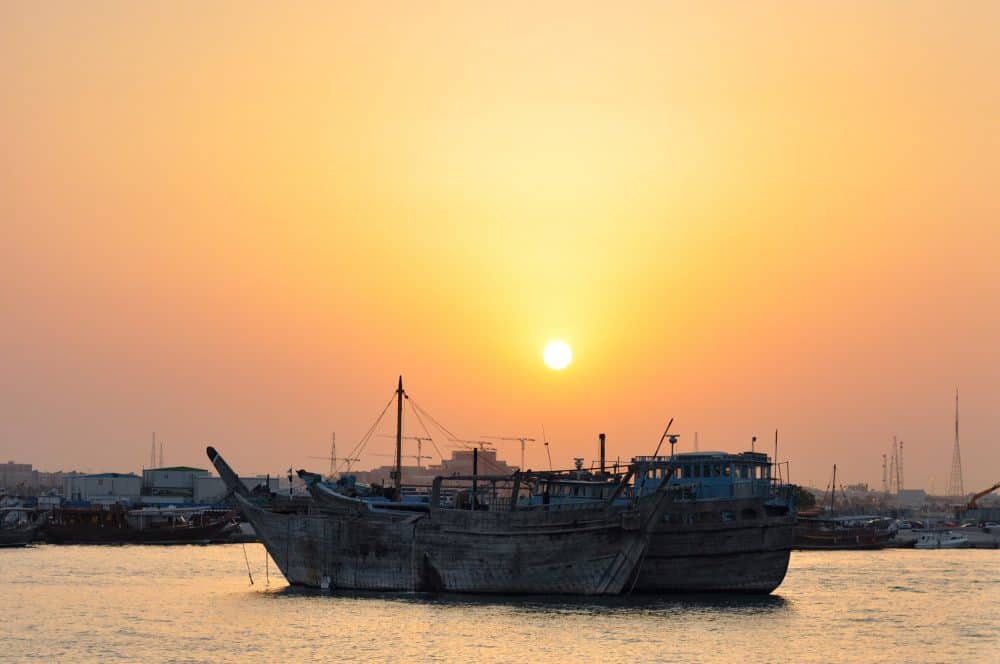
(486, 462)
(424, 426)
(247, 558)
(360, 445)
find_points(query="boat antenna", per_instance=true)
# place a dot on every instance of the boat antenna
(674, 438)
(776, 466)
(833, 489)
(398, 472)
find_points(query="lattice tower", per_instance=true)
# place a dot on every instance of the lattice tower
(955, 487)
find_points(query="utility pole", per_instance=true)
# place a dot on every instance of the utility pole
(152, 453)
(333, 453)
(399, 440)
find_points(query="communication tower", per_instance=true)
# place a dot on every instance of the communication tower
(955, 487)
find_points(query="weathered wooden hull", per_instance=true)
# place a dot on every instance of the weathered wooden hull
(15, 537)
(55, 533)
(686, 553)
(585, 552)
(819, 535)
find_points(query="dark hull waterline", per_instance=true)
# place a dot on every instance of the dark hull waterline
(88, 534)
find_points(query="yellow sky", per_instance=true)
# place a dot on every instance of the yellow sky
(238, 223)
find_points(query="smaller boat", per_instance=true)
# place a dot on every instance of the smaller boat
(20, 536)
(17, 526)
(845, 533)
(118, 525)
(941, 539)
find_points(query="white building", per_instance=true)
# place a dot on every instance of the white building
(209, 490)
(103, 487)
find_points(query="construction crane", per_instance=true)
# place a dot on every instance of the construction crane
(971, 505)
(418, 457)
(420, 446)
(522, 439)
(334, 459)
(483, 445)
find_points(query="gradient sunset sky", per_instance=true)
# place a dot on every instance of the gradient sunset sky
(237, 223)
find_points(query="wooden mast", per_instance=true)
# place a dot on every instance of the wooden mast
(398, 473)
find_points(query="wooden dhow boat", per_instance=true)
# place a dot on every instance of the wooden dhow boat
(486, 542)
(336, 542)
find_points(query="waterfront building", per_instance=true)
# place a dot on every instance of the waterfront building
(103, 487)
(17, 477)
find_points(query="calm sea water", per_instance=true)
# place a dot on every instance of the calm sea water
(191, 603)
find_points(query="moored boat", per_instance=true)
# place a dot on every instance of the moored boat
(728, 527)
(486, 548)
(832, 534)
(116, 525)
(941, 539)
(18, 536)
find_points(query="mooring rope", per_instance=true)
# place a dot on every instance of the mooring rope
(247, 558)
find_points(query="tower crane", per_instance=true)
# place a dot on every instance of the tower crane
(483, 445)
(420, 444)
(417, 457)
(334, 459)
(522, 439)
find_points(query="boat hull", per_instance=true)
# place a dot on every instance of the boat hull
(16, 537)
(580, 553)
(820, 535)
(745, 555)
(89, 534)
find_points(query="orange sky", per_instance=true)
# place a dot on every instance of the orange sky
(238, 223)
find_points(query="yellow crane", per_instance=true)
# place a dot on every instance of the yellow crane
(971, 505)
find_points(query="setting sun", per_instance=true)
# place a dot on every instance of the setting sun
(557, 355)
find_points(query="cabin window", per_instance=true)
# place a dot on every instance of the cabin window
(696, 470)
(726, 515)
(677, 473)
(707, 517)
(748, 514)
(726, 470)
(716, 470)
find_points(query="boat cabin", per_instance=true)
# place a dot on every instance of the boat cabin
(707, 475)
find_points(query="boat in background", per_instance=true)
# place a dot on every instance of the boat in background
(941, 539)
(814, 534)
(17, 536)
(115, 524)
(18, 524)
(845, 533)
